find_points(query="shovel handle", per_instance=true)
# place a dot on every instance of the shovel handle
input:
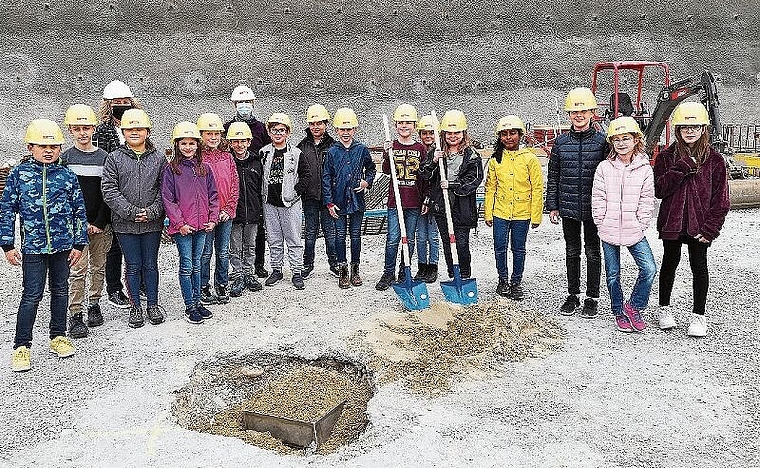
(446, 208)
(396, 192)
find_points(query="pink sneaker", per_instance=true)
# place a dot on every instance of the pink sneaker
(634, 316)
(623, 324)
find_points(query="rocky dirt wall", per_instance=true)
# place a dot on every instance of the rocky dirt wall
(183, 58)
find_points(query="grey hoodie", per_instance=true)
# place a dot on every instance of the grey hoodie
(131, 183)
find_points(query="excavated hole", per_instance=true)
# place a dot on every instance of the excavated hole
(220, 390)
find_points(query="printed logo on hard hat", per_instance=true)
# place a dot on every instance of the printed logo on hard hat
(690, 117)
(238, 133)
(213, 125)
(81, 117)
(620, 127)
(48, 137)
(134, 122)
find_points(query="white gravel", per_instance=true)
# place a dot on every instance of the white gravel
(605, 399)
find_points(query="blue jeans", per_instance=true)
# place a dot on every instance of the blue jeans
(644, 259)
(141, 257)
(502, 228)
(352, 222)
(219, 241)
(427, 233)
(35, 267)
(316, 216)
(190, 248)
(393, 237)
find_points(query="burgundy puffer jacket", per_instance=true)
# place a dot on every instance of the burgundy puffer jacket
(694, 201)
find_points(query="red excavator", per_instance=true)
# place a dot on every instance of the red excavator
(649, 82)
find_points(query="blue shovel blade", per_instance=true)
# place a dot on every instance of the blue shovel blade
(460, 291)
(413, 294)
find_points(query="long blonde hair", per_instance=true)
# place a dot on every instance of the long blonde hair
(466, 142)
(105, 113)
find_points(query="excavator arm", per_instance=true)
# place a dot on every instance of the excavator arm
(672, 95)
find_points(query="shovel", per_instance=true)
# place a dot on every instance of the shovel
(458, 290)
(413, 294)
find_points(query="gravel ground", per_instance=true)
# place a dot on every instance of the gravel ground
(604, 399)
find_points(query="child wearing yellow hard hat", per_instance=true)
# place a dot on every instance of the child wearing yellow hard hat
(46, 197)
(691, 179)
(87, 161)
(131, 188)
(572, 163)
(463, 174)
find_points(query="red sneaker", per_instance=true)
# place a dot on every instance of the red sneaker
(634, 316)
(623, 324)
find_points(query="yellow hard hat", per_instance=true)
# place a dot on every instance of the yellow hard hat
(428, 122)
(317, 113)
(345, 118)
(239, 131)
(279, 117)
(690, 113)
(185, 130)
(43, 132)
(135, 118)
(80, 114)
(210, 122)
(509, 122)
(579, 99)
(623, 125)
(405, 113)
(454, 121)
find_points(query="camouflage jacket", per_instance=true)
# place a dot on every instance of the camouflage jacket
(50, 205)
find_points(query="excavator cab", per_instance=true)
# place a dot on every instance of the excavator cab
(620, 78)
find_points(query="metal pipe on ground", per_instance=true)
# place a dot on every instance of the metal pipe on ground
(744, 193)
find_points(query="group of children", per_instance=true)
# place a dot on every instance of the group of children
(227, 185)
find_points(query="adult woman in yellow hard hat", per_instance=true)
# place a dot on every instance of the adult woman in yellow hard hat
(691, 179)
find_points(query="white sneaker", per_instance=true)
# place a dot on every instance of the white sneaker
(698, 326)
(667, 321)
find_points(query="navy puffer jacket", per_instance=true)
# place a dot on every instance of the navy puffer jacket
(572, 164)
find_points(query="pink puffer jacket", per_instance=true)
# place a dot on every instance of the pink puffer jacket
(622, 199)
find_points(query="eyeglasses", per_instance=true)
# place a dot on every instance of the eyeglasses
(625, 139)
(278, 131)
(690, 128)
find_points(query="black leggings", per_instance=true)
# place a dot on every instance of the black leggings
(698, 263)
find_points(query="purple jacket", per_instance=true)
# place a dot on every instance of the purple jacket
(694, 201)
(189, 198)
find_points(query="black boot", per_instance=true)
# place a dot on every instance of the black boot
(77, 328)
(431, 275)
(421, 272)
(516, 292)
(503, 288)
(356, 280)
(343, 281)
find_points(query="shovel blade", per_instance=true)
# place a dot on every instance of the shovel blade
(413, 294)
(460, 291)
